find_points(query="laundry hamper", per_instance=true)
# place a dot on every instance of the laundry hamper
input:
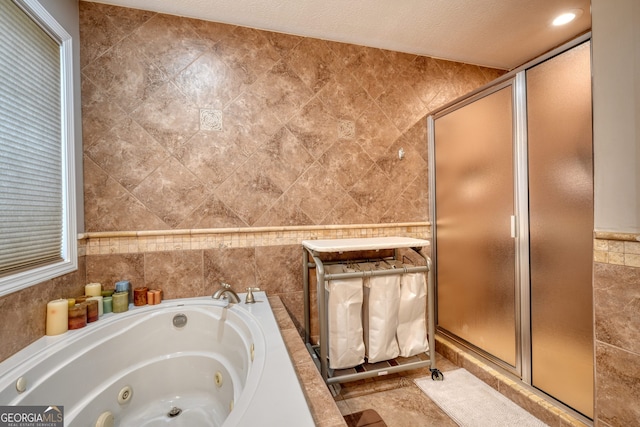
(344, 311)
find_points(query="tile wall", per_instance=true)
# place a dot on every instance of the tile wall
(193, 125)
(616, 301)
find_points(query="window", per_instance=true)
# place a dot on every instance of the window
(37, 186)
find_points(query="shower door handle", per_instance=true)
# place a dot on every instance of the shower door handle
(514, 227)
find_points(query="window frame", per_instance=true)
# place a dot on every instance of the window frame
(69, 251)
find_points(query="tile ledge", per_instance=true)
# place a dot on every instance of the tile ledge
(247, 230)
(626, 237)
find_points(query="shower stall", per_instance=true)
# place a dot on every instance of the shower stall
(512, 215)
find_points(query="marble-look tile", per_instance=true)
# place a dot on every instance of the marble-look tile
(426, 78)
(212, 213)
(109, 269)
(401, 104)
(211, 32)
(618, 385)
(23, 313)
(418, 192)
(376, 133)
(284, 158)
(125, 19)
(171, 181)
(294, 302)
(315, 127)
(127, 153)
(323, 408)
(177, 273)
(416, 137)
(285, 211)
(313, 62)
(248, 53)
(401, 407)
(211, 156)
(235, 266)
(249, 191)
(373, 70)
(375, 192)
(97, 33)
(209, 82)
(402, 171)
(278, 268)
(281, 42)
(170, 42)
(401, 209)
(109, 207)
(125, 75)
(248, 123)
(347, 211)
(616, 302)
(168, 116)
(345, 163)
(99, 114)
(281, 91)
(344, 96)
(317, 193)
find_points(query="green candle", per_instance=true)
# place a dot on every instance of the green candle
(107, 304)
(120, 302)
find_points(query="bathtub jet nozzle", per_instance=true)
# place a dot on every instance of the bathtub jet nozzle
(174, 412)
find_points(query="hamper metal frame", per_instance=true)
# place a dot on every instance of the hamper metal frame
(317, 247)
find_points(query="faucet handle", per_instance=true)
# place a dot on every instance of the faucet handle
(250, 299)
(225, 285)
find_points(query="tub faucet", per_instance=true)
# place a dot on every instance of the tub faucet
(225, 291)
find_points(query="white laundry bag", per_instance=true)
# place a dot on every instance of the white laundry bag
(344, 311)
(380, 314)
(412, 323)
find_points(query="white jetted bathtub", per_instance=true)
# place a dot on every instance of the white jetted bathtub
(187, 362)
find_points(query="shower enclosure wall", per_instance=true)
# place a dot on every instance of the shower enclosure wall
(512, 213)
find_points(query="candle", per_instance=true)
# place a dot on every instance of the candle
(93, 289)
(125, 286)
(157, 296)
(100, 308)
(151, 300)
(57, 317)
(140, 296)
(120, 302)
(71, 301)
(78, 316)
(107, 303)
(81, 299)
(107, 293)
(92, 310)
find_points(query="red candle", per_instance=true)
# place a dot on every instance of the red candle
(78, 316)
(140, 296)
(93, 312)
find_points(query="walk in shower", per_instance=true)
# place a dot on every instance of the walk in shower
(512, 213)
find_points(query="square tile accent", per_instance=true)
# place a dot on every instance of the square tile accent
(346, 129)
(211, 120)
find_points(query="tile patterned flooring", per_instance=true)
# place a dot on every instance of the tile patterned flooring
(396, 398)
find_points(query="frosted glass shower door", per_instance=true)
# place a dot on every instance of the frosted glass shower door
(475, 263)
(561, 227)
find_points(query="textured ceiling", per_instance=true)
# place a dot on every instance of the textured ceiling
(493, 33)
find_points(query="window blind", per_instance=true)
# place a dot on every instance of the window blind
(31, 187)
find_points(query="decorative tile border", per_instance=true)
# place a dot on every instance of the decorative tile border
(617, 248)
(105, 243)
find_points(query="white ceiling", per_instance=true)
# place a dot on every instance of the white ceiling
(493, 33)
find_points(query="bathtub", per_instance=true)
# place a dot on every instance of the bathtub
(185, 362)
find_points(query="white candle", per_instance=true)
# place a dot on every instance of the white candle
(100, 308)
(93, 289)
(57, 317)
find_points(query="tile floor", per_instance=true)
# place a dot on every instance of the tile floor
(396, 398)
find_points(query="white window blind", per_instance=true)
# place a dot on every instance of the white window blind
(31, 150)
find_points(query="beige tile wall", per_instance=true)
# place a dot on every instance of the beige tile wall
(190, 124)
(616, 297)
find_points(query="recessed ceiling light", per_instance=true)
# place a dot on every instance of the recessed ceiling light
(566, 17)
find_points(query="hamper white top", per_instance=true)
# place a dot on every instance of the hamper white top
(363, 244)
